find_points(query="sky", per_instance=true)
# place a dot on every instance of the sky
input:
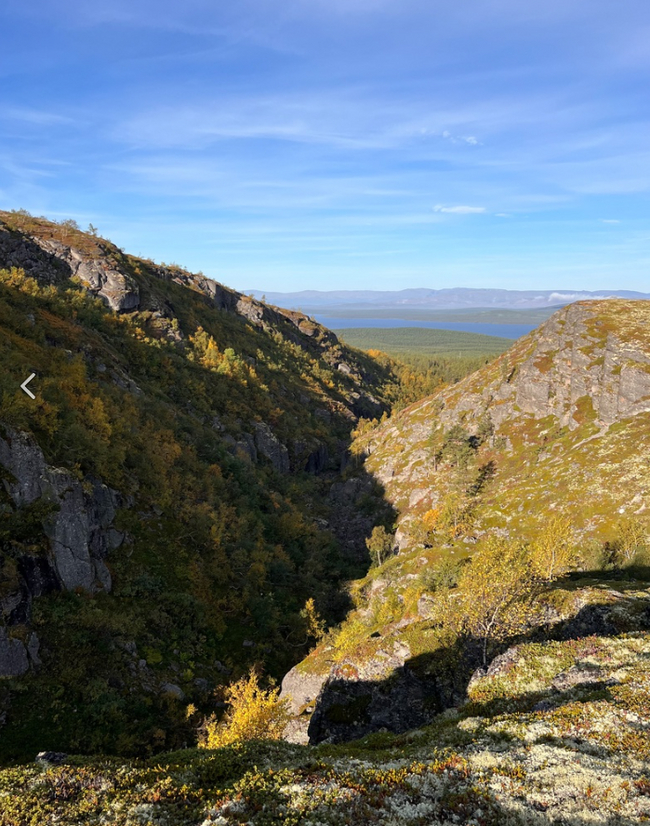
(333, 144)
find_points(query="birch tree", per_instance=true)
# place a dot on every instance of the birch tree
(496, 593)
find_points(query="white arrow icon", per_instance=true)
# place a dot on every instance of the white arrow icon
(23, 386)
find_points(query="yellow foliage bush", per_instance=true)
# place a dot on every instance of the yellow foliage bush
(255, 713)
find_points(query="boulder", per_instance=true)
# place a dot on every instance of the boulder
(301, 689)
(51, 758)
(172, 690)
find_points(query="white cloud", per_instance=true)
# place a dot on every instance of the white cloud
(459, 210)
(448, 136)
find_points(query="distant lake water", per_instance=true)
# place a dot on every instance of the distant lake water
(504, 330)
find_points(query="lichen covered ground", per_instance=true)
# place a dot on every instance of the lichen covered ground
(558, 733)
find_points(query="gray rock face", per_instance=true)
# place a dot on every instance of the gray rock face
(251, 310)
(573, 369)
(311, 456)
(21, 252)
(356, 701)
(80, 530)
(301, 689)
(52, 261)
(270, 447)
(348, 520)
(98, 276)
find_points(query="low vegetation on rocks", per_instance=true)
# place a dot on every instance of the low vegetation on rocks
(557, 733)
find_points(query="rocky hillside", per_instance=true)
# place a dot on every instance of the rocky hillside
(554, 432)
(172, 496)
(184, 483)
(562, 420)
(555, 733)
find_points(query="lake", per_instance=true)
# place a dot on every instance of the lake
(506, 330)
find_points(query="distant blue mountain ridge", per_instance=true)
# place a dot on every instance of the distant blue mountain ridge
(456, 298)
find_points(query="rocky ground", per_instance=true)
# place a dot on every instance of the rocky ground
(554, 733)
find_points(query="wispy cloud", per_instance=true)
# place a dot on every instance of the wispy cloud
(459, 210)
(243, 127)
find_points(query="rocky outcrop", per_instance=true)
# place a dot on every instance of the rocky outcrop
(98, 275)
(381, 686)
(14, 661)
(52, 261)
(581, 363)
(16, 656)
(271, 447)
(301, 689)
(352, 698)
(311, 456)
(79, 526)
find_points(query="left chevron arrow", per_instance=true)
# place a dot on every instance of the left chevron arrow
(24, 387)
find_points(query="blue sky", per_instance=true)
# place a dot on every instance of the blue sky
(332, 144)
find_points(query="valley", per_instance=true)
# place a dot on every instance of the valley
(443, 564)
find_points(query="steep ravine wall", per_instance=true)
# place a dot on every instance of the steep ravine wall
(583, 371)
(78, 529)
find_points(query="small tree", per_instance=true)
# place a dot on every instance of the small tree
(496, 593)
(631, 540)
(457, 447)
(380, 545)
(485, 428)
(255, 713)
(313, 620)
(554, 550)
(456, 514)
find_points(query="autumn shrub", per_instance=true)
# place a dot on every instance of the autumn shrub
(496, 593)
(631, 543)
(443, 574)
(553, 549)
(254, 713)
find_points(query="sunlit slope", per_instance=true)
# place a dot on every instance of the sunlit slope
(562, 419)
(559, 426)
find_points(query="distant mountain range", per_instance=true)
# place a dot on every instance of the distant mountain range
(446, 299)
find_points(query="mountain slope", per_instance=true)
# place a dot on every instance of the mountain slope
(566, 413)
(168, 501)
(553, 432)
